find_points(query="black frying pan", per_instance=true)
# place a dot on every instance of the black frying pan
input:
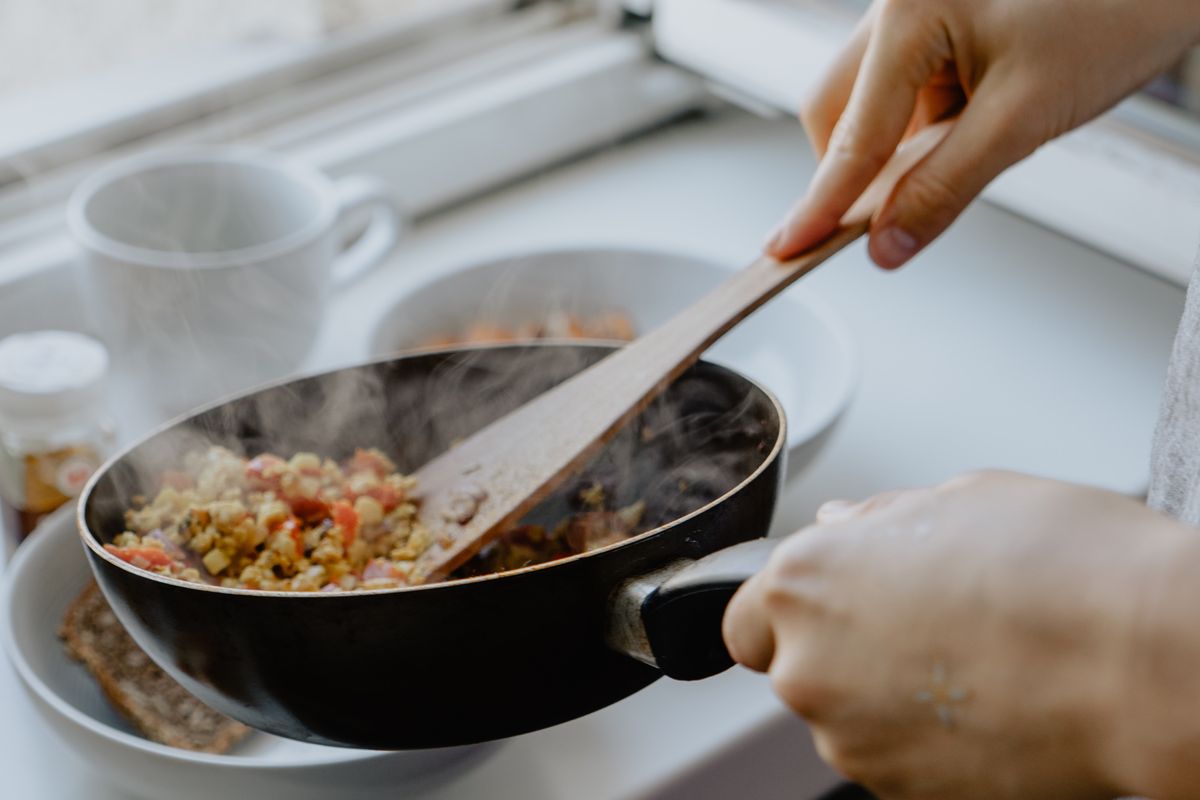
(484, 657)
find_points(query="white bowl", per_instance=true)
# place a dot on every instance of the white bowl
(48, 571)
(796, 345)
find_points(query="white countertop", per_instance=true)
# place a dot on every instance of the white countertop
(1004, 346)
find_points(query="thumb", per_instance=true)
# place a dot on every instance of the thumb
(995, 131)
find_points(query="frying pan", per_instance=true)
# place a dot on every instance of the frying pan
(482, 657)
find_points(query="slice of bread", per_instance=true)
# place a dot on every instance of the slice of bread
(157, 706)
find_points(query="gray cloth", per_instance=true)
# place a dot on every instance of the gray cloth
(1175, 459)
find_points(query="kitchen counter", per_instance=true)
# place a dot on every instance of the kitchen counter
(1005, 346)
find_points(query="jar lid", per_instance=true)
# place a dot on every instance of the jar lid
(49, 374)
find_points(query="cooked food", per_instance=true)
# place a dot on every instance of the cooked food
(312, 524)
(301, 524)
(161, 709)
(578, 533)
(613, 325)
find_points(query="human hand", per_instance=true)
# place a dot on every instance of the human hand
(1017, 73)
(971, 640)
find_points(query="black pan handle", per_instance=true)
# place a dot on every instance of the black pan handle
(671, 619)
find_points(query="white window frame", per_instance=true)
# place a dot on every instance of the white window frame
(91, 114)
(1127, 184)
(414, 115)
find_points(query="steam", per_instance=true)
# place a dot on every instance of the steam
(693, 444)
(199, 300)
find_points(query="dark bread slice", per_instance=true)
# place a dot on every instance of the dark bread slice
(157, 706)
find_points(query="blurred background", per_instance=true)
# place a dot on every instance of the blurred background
(96, 36)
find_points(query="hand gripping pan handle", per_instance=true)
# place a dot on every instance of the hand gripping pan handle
(671, 618)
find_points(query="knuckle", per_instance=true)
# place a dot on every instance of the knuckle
(899, 9)
(888, 503)
(779, 591)
(892, 11)
(967, 479)
(930, 196)
(792, 679)
(836, 510)
(798, 556)
(826, 746)
(828, 749)
(814, 120)
(797, 578)
(848, 143)
(807, 114)
(812, 106)
(885, 500)
(1025, 102)
(906, 20)
(1017, 130)
(975, 478)
(865, 768)
(833, 751)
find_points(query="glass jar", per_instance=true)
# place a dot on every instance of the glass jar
(55, 429)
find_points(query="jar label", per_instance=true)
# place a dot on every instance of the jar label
(52, 478)
(73, 474)
(34, 484)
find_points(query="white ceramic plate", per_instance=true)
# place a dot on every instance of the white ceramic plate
(796, 345)
(48, 571)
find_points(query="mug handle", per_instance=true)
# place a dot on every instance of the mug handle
(355, 192)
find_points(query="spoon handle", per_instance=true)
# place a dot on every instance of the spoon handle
(493, 478)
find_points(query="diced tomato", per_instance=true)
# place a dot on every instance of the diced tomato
(346, 518)
(263, 471)
(368, 461)
(308, 508)
(177, 480)
(169, 547)
(388, 496)
(141, 557)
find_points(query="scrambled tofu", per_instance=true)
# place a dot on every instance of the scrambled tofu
(302, 524)
(308, 524)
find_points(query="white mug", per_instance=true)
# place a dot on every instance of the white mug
(207, 270)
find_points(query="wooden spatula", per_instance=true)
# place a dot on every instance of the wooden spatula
(485, 484)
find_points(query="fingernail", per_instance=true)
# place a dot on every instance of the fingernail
(893, 246)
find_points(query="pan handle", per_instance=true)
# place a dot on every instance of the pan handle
(671, 619)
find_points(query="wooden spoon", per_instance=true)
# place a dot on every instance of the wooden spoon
(486, 483)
